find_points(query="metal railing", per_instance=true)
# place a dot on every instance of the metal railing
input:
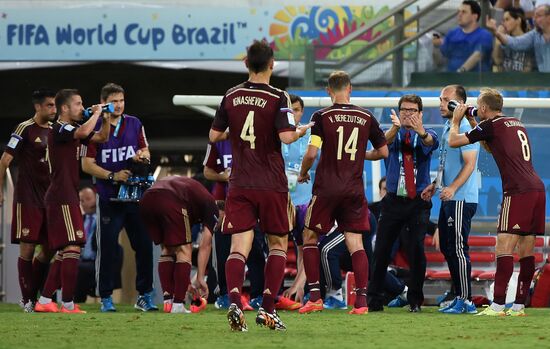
(397, 32)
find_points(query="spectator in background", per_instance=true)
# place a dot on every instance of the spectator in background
(528, 6)
(537, 40)
(506, 59)
(468, 47)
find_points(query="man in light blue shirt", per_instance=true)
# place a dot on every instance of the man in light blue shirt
(457, 181)
(300, 193)
(537, 39)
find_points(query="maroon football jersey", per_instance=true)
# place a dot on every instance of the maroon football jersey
(509, 144)
(194, 196)
(64, 159)
(344, 130)
(28, 145)
(255, 115)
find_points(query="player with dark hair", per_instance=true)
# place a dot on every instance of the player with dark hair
(65, 225)
(259, 118)
(28, 144)
(217, 168)
(342, 130)
(108, 164)
(169, 209)
(408, 173)
(524, 199)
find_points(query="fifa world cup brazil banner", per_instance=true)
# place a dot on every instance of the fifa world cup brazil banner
(179, 33)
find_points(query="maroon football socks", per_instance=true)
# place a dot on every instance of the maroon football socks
(274, 274)
(526, 272)
(166, 266)
(505, 267)
(53, 281)
(39, 273)
(360, 265)
(234, 275)
(69, 273)
(311, 265)
(182, 271)
(24, 267)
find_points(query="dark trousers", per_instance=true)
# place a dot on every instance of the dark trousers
(255, 262)
(113, 216)
(455, 220)
(85, 282)
(335, 256)
(397, 212)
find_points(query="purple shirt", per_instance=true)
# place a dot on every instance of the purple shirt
(114, 154)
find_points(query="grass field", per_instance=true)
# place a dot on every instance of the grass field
(393, 328)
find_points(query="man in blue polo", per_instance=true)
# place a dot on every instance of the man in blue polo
(108, 164)
(407, 175)
(457, 182)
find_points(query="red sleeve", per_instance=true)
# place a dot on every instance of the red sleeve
(376, 135)
(221, 121)
(317, 128)
(284, 121)
(91, 150)
(142, 139)
(65, 133)
(482, 132)
(88, 140)
(212, 157)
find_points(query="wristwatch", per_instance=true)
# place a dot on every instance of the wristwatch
(424, 136)
(111, 176)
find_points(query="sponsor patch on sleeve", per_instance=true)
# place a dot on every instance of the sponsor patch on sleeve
(14, 141)
(290, 117)
(67, 127)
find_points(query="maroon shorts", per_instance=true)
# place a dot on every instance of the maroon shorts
(351, 212)
(166, 217)
(523, 214)
(65, 226)
(244, 207)
(28, 224)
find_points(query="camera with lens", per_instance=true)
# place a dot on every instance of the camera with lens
(107, 108)
(470, 112)
(142, 179)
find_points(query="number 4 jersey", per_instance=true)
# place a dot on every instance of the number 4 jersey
(255, 115)
(509, 144)
(342, 132)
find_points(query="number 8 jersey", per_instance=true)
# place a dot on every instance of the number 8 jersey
(342, 131)
(256, 114)
(510, 146)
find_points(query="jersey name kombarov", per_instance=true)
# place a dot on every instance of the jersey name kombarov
(249, 100)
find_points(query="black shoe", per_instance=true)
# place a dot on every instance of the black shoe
(414, 308)
(376, 306)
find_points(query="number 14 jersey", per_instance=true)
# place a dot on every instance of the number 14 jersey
(509, 144)
(342, 132)
(256, 114)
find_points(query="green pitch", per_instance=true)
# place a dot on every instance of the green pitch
(393, 328)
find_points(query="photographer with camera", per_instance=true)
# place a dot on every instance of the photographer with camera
(456, 180)
(109, 164)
